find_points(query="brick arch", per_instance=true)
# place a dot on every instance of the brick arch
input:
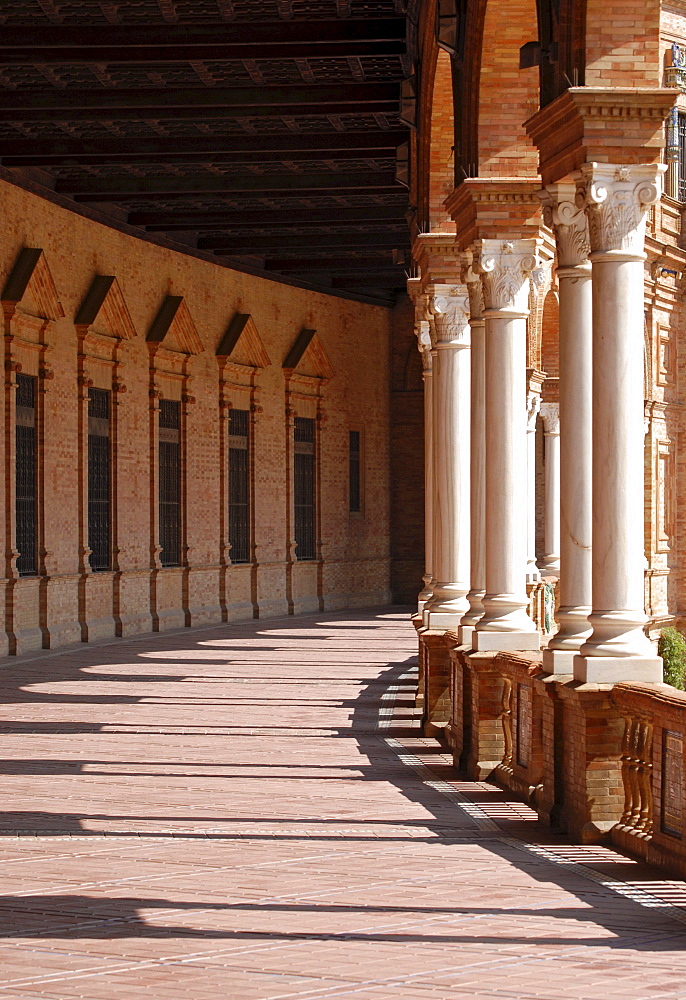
(507, 95)
(441, 141)
(435, 177)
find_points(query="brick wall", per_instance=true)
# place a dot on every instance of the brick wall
(65, 600)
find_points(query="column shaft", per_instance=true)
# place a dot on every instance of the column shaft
(533, 404)
(616, 200)
(506, 268)
(451, 452)
(550, 565)
(576, 437)
(428, 488)
(477, 461)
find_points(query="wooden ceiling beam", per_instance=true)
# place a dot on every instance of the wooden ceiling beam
(199, 102)
(379, 151)
(333, 215)
(374, 264)
(148, 43)
(126, 188)
(335, 241)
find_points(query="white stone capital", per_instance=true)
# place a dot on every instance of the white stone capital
(475, 291)
(616, 199)
(506, 267)
(533, 408)
(450, 313)
(550, 415)
(568, 221)
(422, 330)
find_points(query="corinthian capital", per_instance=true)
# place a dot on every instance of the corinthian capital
(449, 308)
(568, 222)
(550, 414)
(506, 267)
(422, 329)
(616, 200)
(472, 280)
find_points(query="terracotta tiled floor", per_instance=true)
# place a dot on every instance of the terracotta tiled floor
(246, 811)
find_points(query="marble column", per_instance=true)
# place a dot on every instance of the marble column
(449, 307)
(506, 267)
(477, 462)
(424, 345)
(533, 407)
(550, 415)
(616, 200)
(569, 224)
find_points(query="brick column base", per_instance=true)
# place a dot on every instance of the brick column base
(484, 685)
(549, 795)
(435, 665)
(591, 768)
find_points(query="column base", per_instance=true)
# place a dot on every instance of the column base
(466, 634)
(443, 622)
(559, 661)
(613, 669)
(505, 642)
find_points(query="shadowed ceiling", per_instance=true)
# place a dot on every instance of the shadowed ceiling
(263, 132)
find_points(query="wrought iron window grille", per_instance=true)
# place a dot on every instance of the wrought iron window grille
(170, 482)
(304, 488)
(239, 486)
(99, 479)
(26, 520)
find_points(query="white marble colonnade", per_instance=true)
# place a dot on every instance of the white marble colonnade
(600, 494)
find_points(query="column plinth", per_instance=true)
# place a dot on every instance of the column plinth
(506, 267)
(449, 308)
(616, 200)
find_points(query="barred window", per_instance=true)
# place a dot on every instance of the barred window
(355, 482)
(239, 486)
(304, 487)
(26, 458)
(170, 481)
(675, 154)
(99, 478)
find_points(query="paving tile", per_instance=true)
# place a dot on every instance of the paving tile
(225, 812)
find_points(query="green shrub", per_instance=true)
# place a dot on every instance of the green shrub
(672, 648)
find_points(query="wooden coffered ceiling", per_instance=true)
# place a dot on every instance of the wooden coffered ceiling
(263, 132)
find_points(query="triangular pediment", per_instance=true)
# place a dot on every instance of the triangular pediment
(104, 310)
(307, 357)
(30, 286)
(242, 344)
(173, 328)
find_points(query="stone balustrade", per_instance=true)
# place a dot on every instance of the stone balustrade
(603, 762)
(653, 823)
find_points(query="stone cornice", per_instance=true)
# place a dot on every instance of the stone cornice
(610, 125)
(495, 208)
(438, 258)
